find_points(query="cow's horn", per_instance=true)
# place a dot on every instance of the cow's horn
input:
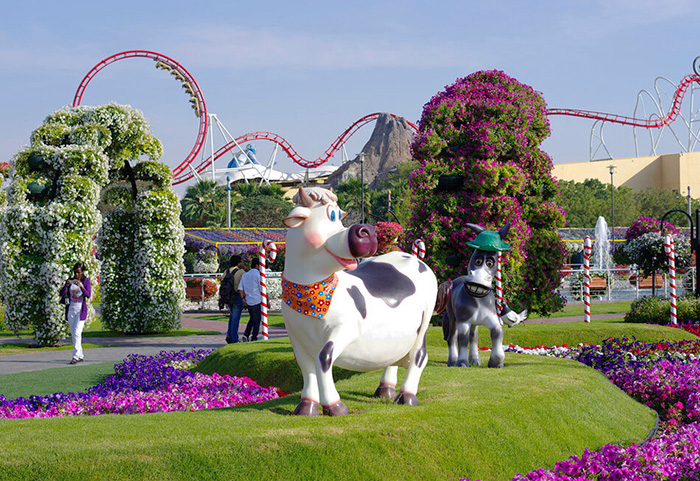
(304, 199)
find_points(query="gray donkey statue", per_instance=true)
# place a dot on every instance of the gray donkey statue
(470, 302)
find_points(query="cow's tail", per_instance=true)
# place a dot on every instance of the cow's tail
(443, 296)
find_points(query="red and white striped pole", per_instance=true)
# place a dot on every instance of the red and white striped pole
(587, 251)
(418, 249)
(267, 250)
(499, 287)
(671, 253)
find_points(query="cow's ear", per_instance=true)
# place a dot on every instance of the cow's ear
(296, 217)
(343, 214)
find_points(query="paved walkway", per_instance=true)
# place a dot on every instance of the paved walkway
(118, 348)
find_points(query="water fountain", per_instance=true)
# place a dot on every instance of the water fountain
(601, 247)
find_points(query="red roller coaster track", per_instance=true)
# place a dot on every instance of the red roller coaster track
(655, 123)
(287, 147)
(181, 173)
(177, 70)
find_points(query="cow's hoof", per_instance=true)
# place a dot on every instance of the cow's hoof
(385, 391)
(306, 408)
(337, 409)
(407, 399)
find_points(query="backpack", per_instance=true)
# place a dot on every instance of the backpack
(226, 289)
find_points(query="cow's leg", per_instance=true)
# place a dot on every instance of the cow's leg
(334, 347)
(474, 357)
(387, 384)
(463, 338)
(415, 363)
(309, 394)
(497, 353)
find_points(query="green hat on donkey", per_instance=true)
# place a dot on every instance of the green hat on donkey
(489, 240)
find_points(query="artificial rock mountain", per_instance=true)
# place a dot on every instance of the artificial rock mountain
(389, 145)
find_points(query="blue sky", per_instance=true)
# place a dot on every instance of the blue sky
(307, 70)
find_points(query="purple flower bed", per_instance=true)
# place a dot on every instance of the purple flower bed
(144, 384)
(664, 376)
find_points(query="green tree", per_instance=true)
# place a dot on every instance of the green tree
(204, 205)
(350, 200)
(585, 201)
(262, 211)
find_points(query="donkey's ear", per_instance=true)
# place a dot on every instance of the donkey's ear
(476, 228)
(503, 233)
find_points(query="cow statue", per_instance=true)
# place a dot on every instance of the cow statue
(360, 317)
(470, 302)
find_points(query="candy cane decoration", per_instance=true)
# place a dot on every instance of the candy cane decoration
(499, 287)
(418, 249)
(267, 250)
(671, 253)
(587, 251)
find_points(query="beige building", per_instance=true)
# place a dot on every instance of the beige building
(669, 171)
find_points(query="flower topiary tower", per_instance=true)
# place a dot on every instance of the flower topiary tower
(480, 162)
(51, 218)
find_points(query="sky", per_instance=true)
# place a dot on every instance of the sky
(307, 70)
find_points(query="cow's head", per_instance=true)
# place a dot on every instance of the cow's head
(317, 235)
(483, 263)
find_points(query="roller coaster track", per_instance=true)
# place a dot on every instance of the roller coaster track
(655, 123)
(189, 84)
(287, 147)
(182, 173)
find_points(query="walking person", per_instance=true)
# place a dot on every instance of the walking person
(252, 298)
(76, 291)
(229, 295)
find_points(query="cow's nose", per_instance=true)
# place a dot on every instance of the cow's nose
(362, 240)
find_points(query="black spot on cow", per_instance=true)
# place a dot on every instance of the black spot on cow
(385, 282)
(422, 267)
(421, 355)
(326, 356)
(359, 300)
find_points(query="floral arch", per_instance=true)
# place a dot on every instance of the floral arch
(79, 192)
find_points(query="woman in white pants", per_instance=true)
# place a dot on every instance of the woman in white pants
(77, 291)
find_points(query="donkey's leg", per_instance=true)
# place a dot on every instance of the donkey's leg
(309, 394)
(474, 358)
(387, 384)
(338, 340)
(416, 361)
(497, 353)
(463, 343)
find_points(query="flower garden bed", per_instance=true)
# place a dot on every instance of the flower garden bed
(146, 384)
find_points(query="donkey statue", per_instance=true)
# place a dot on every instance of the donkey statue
(358, 316)
(470, 302)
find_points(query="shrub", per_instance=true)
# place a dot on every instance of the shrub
(656, 310)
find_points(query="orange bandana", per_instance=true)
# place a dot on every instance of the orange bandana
(311, 300)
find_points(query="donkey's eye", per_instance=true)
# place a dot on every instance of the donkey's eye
(489, 263)
(478, 262)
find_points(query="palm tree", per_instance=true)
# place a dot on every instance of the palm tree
(204, 205)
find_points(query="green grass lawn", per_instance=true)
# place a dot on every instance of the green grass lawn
(596, 308)
(472, 422)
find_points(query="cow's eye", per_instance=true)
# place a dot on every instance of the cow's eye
(332, 215)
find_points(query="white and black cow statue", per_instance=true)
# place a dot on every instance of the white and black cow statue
(470, 302)
(360, 318)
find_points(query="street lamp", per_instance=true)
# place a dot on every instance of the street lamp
(612, 203)
(362, 183)
(228, 202)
